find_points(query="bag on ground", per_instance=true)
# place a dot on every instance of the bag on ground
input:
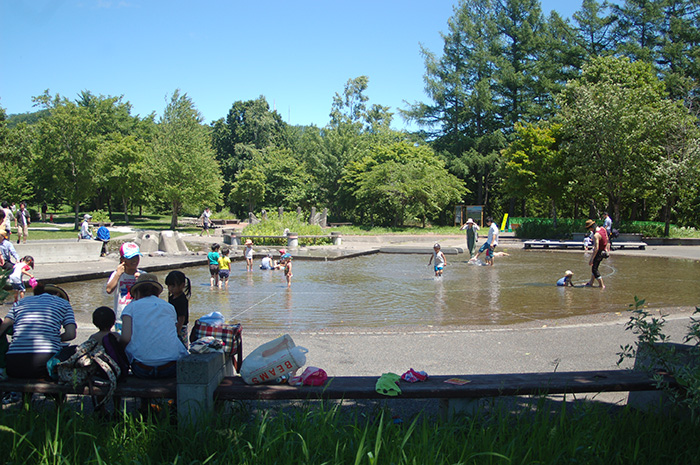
(272, 360)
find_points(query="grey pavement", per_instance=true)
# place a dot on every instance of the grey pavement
(582, 343)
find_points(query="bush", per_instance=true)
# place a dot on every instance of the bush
(276, 227)
(543, 228)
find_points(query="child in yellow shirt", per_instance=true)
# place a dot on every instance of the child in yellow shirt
(224, 268)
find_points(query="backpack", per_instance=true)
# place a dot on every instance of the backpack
(88, 362)
(116, 352)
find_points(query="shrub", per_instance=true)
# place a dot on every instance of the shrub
(663, 357)
(273, 226)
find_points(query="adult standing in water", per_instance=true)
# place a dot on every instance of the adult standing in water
(600, 251)
(472, 236)
(491, 241)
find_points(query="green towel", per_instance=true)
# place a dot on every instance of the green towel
(387, 385)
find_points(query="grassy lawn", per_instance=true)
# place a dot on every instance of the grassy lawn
(577, 432)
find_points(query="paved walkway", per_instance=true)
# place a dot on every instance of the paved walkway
(585, 343)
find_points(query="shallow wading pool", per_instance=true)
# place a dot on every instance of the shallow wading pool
(388, 290)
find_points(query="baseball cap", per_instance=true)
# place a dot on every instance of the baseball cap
(129, 250)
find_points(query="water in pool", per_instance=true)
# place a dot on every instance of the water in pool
(389, 290)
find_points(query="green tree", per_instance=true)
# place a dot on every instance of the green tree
(616, 120)
(249, 127)
(183, 169)
(66, 150)
(533, 165)
(594, 26)
(15, 160)
(401, 181)
(250, 187)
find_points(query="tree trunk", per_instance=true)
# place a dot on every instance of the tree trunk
(76, 211)
(554, 213)
(125, 202)
(173, 219)
(667, 217)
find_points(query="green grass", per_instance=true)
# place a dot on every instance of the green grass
(583, 433)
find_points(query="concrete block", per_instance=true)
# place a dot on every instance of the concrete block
(61, 251)
(167, 242)
(148, 241)
(198, 376)
(181, 246)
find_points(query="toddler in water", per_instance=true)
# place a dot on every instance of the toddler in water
(224, 268)
(286, 260)
(20, 270)
(566, 280)
(248, 255)
(179, 293)
(440, 260)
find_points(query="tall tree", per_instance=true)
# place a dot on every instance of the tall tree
(616, 121)
(66, 149)
(594, 26)
(183, 169)
(249, 127)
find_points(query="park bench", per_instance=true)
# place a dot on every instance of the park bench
(334, 225)
(201, 383)
(547, 244)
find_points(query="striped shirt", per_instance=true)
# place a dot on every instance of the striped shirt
(38, 321)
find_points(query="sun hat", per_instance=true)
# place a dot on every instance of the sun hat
(146, 278)
(470, 221)
(55, 290)
(248, 242)
(589, 223)
(569, 273)
(87, 217)
(283, 251)
(286, 256)
(129, 250)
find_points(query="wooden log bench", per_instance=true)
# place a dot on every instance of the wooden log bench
(453, 397)
(201, 383)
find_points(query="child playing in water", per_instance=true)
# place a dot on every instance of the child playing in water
(224, 268)
(287, 261)
(213, 258)
(20, 270)
(566, 280)
(248, 255)
(440, 260)
(179, 292)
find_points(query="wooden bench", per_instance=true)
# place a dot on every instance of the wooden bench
(453, 397)
(130, 387)
(546, 244)
(333, 225)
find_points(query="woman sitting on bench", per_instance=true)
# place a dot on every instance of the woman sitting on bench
(37, 322)
(149, 334)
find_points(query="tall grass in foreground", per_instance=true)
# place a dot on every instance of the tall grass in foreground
(582, 433)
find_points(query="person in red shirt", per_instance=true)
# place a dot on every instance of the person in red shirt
(601, 246)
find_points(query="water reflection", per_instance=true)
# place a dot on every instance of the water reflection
(399, 290)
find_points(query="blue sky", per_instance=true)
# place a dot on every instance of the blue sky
(297, 54)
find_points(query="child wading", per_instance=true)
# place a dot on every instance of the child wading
(439, 258)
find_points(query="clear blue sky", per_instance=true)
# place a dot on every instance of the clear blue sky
(297, 54)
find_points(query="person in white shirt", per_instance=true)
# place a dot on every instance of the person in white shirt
(491, 241)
